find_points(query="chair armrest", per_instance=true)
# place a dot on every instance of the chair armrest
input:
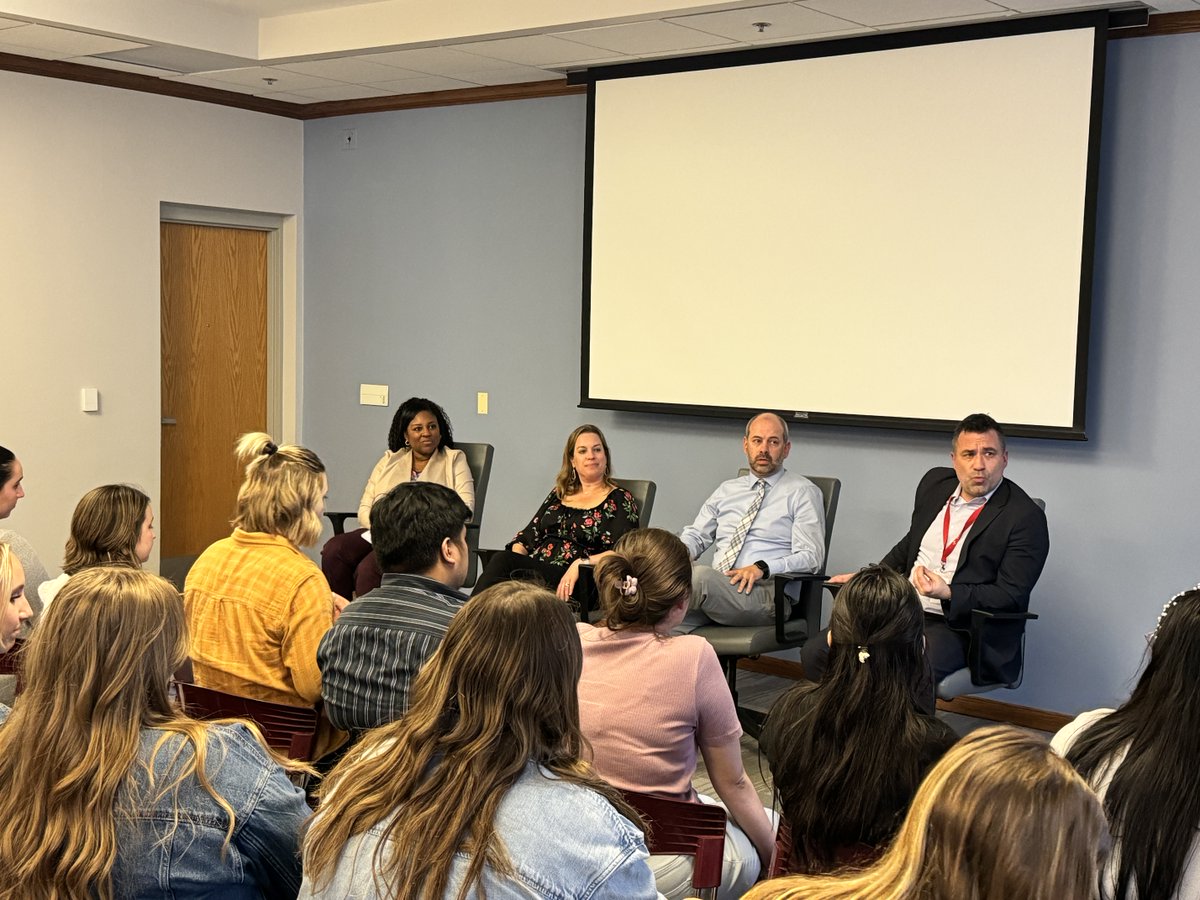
(339, 520)
(585, 593)
(808, 604)
(981, 617)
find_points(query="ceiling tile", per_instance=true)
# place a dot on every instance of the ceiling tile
(436, 60)
(1040, 6)
(787, 20)
(289, 98)
(1172, 6)
(877, 13)
(515, 75)
(205, 81)
(10, 23)
(535, 50)
(119, 65)
(284, 80)
(637, 38)
(423, 85)
(178, 59)
(340, 92)
(351, 69)
(63, 43)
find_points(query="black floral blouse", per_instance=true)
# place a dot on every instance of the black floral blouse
(559, 534)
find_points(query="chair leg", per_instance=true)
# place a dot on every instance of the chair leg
(751, 719)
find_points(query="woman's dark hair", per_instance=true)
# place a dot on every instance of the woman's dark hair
(848, 754)
(649, 571)
(407, 412)
(1153, 799)
(7, 458)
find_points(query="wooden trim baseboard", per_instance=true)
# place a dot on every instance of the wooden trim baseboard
(147, 84)
(974, 706)
(525, 91)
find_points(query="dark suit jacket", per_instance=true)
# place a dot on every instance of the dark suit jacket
(1000, 561)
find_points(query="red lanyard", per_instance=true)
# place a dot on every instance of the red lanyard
(948, 548)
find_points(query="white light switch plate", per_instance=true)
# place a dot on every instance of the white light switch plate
(373, 395)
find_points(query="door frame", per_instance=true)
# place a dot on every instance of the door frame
(282, 303)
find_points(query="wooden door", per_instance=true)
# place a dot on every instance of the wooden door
(214, 376)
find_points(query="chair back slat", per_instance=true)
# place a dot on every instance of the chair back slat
(684, 828)
(289, 729)
(12, 663)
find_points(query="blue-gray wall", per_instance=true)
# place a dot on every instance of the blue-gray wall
(444, 258)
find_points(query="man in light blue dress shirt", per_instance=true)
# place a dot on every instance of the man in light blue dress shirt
(769, 522)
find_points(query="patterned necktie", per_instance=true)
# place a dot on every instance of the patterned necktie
(729, 557)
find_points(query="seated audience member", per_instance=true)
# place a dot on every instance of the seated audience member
(578, 522)
(16, 610)
(420, 448)
(1142, 761)
(1000, 817)
(107, 790)
(371, 655)
(769, 522)
(257, 607)
(12, 489)
(647, 700)
(481, 786)
(113, 525)
(848, 754)
(976, 541)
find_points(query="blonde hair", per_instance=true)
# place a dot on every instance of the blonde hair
(500, 691)
(6, 571)
(567, 482)
(282, 490)
(105, 528)
(648, 573)
(1001, 816)
(97, 674)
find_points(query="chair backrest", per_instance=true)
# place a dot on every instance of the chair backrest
(291, 730)
(479, 461)
(685, 828)
(643, 492)
(831, 490)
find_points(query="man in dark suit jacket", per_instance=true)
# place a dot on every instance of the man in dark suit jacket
(976, 541)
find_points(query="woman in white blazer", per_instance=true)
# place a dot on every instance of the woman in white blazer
(420, 448)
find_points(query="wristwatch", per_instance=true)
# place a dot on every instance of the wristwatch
(762, 567)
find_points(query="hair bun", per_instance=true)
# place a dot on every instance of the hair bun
(270, 448)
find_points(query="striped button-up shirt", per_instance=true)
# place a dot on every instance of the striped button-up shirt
(372, 654)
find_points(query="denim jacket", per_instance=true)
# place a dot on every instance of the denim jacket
(565, 843)
(262, 859)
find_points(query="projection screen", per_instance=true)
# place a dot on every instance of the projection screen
(892, 231)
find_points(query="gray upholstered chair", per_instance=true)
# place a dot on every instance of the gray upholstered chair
(794, 622)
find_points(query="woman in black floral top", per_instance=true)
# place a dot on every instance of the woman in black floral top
(578, 522)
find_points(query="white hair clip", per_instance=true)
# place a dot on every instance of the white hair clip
(629, 588)
(1166, 609)
(863, 653)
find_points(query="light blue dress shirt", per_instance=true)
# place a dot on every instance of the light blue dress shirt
(788, 534)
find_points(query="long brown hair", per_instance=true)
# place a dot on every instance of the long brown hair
(97, 672)
(105, 528)
(567, 483)
(283, 489)
(1001, 816)
(500, 691)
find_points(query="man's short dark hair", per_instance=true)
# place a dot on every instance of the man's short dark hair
(409, 523)
(976, 423)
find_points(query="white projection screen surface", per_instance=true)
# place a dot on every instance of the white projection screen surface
(894, 237)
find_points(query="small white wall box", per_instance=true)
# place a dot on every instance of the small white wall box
(373, 395)
(89, 400)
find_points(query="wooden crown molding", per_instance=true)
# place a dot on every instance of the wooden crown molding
(1161, 24)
